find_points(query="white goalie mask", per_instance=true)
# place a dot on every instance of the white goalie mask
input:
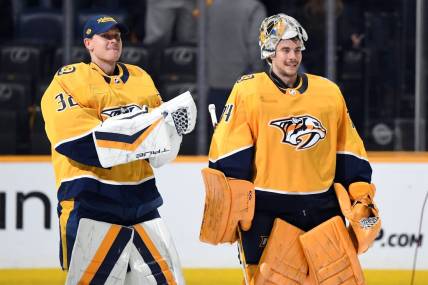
(279, 27)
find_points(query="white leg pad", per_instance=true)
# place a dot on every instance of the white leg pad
(100, 253)
(103, 253)
(154, 259)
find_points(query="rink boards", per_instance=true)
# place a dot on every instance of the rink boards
(29, 235)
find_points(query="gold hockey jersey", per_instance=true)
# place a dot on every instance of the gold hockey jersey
(78, 99)
(292, 141)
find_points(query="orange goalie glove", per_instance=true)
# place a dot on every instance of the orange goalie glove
(229, 203)
(359, 209)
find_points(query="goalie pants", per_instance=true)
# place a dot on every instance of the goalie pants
(302, 211)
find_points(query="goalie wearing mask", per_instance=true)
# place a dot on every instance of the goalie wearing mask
(287, 168)
(108, 127)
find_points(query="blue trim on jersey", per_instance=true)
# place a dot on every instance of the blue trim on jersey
(125, 74)
(277, 203)
(106, 78)
(115, 204)
(112, 256)
(119, 137)
(71, 231)
(238, 165)
(81, 150)
(351, 169)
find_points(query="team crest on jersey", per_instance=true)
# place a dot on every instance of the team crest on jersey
(303, 132)
(120, 110)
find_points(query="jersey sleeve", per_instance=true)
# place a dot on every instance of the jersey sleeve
(232, 145)
(352, 164)
(69, 125)
(153, 98)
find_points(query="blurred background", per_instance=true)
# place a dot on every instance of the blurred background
(374, 50)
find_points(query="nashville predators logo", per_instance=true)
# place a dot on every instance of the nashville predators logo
(303, 132)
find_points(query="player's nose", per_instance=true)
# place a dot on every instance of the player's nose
(292, 54)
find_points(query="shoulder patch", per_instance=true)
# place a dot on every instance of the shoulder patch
(245, 77)
(66, 69)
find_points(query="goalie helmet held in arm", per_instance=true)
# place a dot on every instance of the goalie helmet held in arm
(279, 27)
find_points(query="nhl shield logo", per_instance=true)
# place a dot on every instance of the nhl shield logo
(303, 132)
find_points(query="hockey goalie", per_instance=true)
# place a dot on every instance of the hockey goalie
(288, 176)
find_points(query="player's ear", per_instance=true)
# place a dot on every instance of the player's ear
(88, 44)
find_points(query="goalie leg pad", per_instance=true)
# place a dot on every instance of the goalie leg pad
(103, 253)
(100, 253)
(153, 259)
(283, 260)
(251, 270)
(331, 255)
(228, 202)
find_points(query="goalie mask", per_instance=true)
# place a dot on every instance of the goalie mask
(276, 28)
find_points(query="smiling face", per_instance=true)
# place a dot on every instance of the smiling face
(287, 58)
(105, 47)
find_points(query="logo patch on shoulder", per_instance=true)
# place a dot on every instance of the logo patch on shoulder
(66, 69)
(245, 77)
(303, 132)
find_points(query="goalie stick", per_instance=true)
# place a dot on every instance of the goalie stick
(211, 110)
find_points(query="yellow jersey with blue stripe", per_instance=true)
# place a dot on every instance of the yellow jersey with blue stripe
(78, 99)
(295, 141)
